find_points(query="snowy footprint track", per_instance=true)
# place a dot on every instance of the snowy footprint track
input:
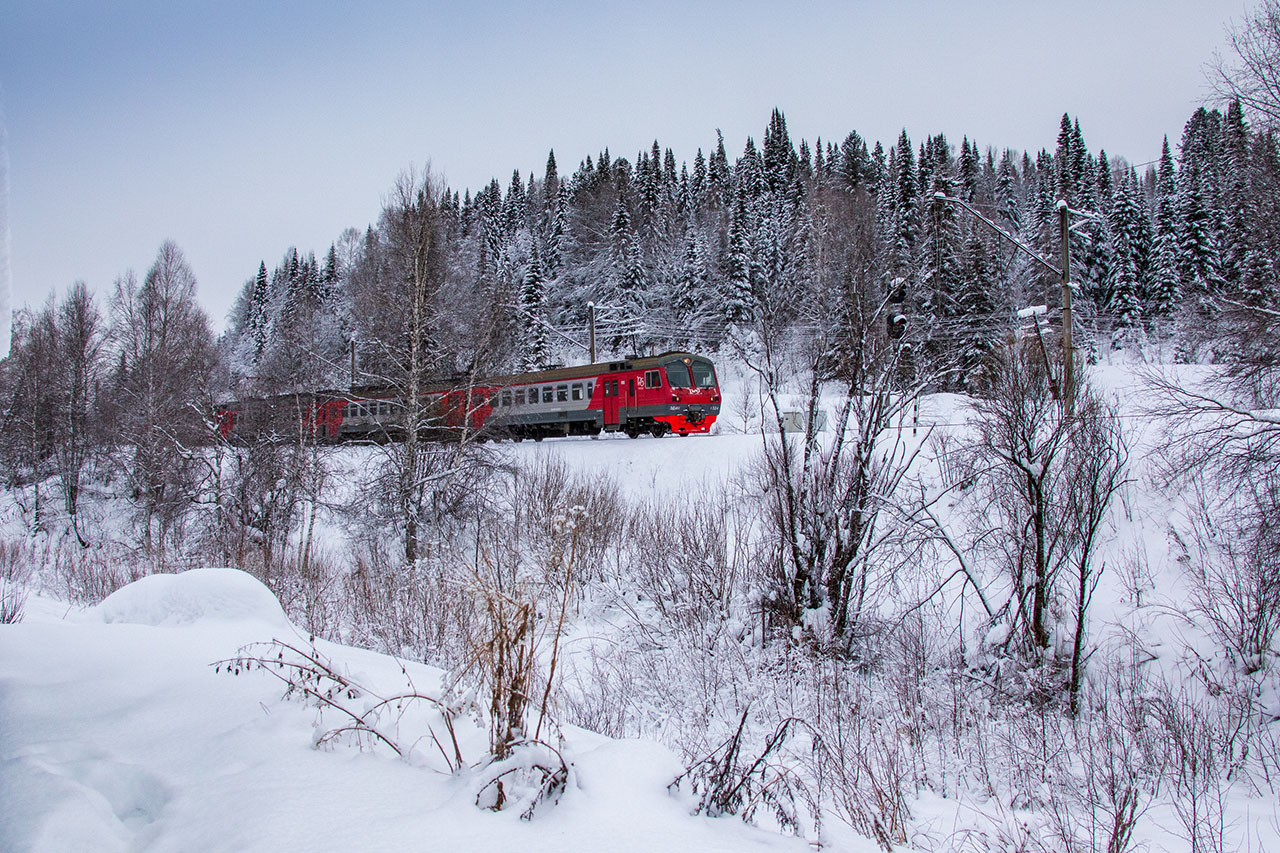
(70, 796)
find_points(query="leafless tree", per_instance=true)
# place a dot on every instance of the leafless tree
(1048, 475)
(1025, 432)
(826, 498)
(164, 356)
(79, 342)
(52, 425)
(1096, 468)
(29, 409)
(1222, 446)
(418, 335)
(1250, 72)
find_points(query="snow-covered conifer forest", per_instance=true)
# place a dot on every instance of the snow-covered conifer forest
(973, 611)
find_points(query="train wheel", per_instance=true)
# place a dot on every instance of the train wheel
(538, 438)
(658, 431)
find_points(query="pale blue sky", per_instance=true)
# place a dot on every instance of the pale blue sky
(239, 128)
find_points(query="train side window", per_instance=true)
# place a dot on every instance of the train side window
(631, 387)
(577, 391)
(506, 399)
(520, 397)
(562, 393)
(547, 393)
(652, 379)
(591, 388)
(606, 391)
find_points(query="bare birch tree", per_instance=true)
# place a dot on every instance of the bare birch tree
(164, 357)
(414, 315)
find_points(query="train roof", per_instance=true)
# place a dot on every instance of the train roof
(584, 371)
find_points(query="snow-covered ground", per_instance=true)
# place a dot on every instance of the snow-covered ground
(117, 733)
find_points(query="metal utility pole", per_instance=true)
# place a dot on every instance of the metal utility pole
(1068, 338)
(591, 332)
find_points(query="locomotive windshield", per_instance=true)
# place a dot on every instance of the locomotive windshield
(703, 375)
(690, 373)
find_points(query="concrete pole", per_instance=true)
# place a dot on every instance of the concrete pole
(1068, 336)
(591, 332)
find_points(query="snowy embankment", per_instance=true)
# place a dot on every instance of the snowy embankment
(116, 733)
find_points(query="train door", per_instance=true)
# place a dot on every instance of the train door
(610, 401)
(626, 399)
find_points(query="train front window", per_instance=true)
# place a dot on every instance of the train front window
(703, 375)
(677, 374)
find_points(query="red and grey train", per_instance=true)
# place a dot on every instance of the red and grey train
(675, 392)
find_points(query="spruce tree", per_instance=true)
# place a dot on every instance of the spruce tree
(779, 156)
(698, 182)
(534, 352)
(980, 326)
(557, 233)
(970, 171)
(259, 312)
(1008, 209)
(1198, 249)
(1238, 208)
(719, 178)
(854, 166)
(1165, 289)
(1125, 285)
(627, 275)
(941, 246)
(906, 214)
(740, 296)
(1064, 175)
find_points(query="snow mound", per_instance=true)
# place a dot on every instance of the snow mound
(200, 594)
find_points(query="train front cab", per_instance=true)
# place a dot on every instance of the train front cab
(679, 394)
(694, 402)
